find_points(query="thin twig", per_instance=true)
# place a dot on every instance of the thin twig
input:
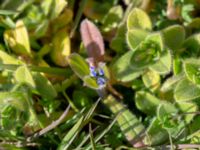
(183, 146)
(52, 125)
(114, 92)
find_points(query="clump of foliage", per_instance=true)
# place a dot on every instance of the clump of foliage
(90, 74)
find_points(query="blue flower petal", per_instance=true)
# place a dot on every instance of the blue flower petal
(101, 81)
(101, 72)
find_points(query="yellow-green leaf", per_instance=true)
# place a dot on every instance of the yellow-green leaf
(90, 82)
(79, 65)
(186, 91)
(61, 48)
(44, 86)
(135, 36)
(137, 18)
(8, 59)
(146, 102)
(151, 80)
(23, 75)
(18, 39)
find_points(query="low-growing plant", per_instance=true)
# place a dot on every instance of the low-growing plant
(99, 74)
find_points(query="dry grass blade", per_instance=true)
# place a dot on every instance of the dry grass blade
(53, 125)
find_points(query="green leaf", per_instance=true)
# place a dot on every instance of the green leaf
(187, 108)
(122, 70)
(151, 80)
(146, 102)
(163, 65)
(165, 109)
(7, 12)
(41, 29)
(62, 20)
(186, 91)
(135, 36)
(112, 18)
(192, 70)
(60, 48)
(156, 135)
(156, 38)
(96, 10)
(7, 23)
(137, 18)
(167, 114)
(18, 39)
(8, 59)
(90, 82)
(171, 82)
(44, 86)
(15, 99)
(105, 69)
(23, 75)
(174, 36)
(59, 6)
(53, 8)
(118, 42)
(148, 52)
(192, 45)
(194, 24)
(78, 65)
(167, 89)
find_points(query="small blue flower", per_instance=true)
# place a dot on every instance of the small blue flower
(101, 72)
(101, 81)
(93, 72)
(98, 74)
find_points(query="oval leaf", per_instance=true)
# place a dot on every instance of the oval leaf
(122, 70)
(146, 102)
(23, 75)
(78, 65)
(164, 110)
(137, 18)
(16, 99)
(192, 70)
(44, 86)
(90, 82)
(134, 37)
(61, 48)
(187, 108)
(155, 133)
(151, 80)
(186, 91)
(163, 65)
(174, 36)
(18, 39)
